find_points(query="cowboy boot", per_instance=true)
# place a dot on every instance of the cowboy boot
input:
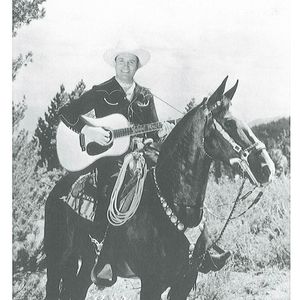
(214, 262)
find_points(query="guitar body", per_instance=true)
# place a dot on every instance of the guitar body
(70, 153)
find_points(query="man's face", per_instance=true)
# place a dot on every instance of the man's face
(126, 66)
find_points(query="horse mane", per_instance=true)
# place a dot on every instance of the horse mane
(170, 145)
(177, 166)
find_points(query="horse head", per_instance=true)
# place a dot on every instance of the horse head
(208, 132)
(232, 141)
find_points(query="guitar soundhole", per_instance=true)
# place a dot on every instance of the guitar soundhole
(94, 148)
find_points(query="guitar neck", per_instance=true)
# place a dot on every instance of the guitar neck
(140, 129)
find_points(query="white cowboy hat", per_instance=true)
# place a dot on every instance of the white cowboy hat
(126, 46)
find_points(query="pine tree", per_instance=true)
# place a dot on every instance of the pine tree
(46, 127)
(23, 13)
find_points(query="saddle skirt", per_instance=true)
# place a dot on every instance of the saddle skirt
(82, 197)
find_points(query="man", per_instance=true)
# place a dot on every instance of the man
(122, 95)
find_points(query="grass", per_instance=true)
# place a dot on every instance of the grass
(259, 242)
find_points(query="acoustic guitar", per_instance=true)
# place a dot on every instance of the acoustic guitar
(76, 152)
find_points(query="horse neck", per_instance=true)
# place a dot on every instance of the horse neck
(183, 182)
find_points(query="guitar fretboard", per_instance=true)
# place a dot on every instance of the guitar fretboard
(139, 129)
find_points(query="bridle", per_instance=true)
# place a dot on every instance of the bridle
(243, 154)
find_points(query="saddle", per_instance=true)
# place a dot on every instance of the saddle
(82, 197)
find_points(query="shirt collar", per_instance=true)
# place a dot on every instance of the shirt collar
(129, 92)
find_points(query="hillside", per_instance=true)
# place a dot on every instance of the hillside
(276, 130)
(259, 241)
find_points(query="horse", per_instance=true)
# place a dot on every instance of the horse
(152, 245)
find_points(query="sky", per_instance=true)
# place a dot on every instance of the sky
(194, 44)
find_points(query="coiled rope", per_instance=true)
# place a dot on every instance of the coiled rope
(115, 213)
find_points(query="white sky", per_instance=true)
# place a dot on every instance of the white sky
(194, 44)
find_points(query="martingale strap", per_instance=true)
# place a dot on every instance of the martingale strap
(192, 239)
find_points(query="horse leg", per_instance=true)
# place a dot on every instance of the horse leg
(181, 288)
(83, 279)
(54, 237)
(53, 280)
(151, 288)
(69, 271)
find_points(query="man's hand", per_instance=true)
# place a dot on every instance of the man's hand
(96, 134)
(166, 129)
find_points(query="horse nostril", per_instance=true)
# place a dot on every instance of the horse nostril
(266, 172)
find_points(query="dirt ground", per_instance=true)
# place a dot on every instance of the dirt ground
(265, 285)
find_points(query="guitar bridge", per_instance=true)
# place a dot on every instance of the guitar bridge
(82, 141)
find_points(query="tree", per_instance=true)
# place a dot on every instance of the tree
(276, 135)
(18, 114)
(23, 13)
(31, 186)
(46, 127)
(20, 61)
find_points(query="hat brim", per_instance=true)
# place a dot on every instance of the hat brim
(111, 54)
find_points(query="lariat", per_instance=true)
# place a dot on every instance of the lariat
(116, 214)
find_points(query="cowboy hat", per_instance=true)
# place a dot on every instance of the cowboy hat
(126, 46)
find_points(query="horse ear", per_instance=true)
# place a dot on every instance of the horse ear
(218, 94)
(230, 93)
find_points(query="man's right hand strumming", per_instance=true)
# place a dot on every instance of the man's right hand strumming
(96, 134)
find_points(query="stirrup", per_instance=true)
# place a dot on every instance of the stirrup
(103, 275)
(214, 262)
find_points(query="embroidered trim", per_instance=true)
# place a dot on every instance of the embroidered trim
(140, 104)
(109, 103)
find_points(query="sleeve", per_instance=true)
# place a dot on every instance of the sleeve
(71, 112)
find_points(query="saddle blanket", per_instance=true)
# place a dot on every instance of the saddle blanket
(82, 196)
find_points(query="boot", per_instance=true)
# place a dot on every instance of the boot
(214, 262)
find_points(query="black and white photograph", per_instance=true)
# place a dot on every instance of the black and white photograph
(150, 150)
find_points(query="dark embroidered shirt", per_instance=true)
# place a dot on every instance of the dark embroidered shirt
(108, 98)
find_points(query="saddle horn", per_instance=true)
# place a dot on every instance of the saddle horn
(230, 93)
(218, 94)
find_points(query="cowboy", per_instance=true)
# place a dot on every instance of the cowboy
(120, 94)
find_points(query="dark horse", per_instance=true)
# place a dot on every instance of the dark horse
(149, 246)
